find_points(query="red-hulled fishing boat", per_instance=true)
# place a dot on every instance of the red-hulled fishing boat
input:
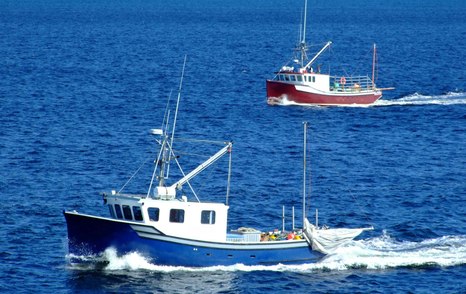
(302, 85)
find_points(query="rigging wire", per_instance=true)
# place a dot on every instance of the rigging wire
(181, 170)
(155, 169)
(359, 207)
(217, 142)
(192, 154)
(133, 175)
(177, 106)
(166, 113)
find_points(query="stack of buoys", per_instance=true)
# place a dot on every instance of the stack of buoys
(277, 235)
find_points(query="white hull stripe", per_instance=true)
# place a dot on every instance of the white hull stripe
(312, 90)
(145, 229)
(270, 245)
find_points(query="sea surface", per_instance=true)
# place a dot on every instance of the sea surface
(83, 82)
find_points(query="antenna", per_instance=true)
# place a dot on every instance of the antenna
(304, 22)
(178, 100)
(176, 111)
(163, 158)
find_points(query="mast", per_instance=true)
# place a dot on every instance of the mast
(229, 177)
(302, 47)
(166, 142)
(304, 22)
(373, 66)
(304, 172)
(176, 114)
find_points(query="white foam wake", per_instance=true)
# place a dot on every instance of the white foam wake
(376, 253)
(451, 98)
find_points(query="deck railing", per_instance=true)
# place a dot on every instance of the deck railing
(351, 84)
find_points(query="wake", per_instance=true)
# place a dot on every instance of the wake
(451, 98)
(376, 254)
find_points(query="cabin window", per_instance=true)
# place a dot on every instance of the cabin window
(127, 212)
(153, 214)
(299, 78)
(112, 212)
(137, 213)
(287, 78)
(314, 79)
(293, 78)
(208, 217)
(176, 215)
(281, 77)
(118, 211)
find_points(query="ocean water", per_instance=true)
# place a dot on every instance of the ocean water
(82, 82)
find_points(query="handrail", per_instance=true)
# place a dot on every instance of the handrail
(351, 84)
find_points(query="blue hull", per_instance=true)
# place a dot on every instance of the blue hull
(90, 235)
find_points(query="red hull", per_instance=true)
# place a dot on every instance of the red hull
(276, 91)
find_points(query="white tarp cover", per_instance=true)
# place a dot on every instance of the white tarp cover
(327, 240)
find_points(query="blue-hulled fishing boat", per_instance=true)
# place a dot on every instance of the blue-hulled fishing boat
(170, 229)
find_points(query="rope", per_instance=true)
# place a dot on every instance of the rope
(181, 170)
(357, 69)
(313, 200)
(200, 141)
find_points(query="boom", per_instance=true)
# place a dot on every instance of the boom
(318, 54)
(203, 166)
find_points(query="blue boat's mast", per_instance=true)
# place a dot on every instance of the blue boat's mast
(166, 142)
(304, 171)
(176, 115)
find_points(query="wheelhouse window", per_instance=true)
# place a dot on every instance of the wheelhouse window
(137, 213)
(127, 212)
(314, 79)
(299, 78)
(176, 215)
(208, 217)
(154, 213)
(118, 211)
(293, 78)
(112, 212)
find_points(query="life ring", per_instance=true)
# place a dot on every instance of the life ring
(342, 80)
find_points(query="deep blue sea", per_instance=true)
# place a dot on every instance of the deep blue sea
(82, 82)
